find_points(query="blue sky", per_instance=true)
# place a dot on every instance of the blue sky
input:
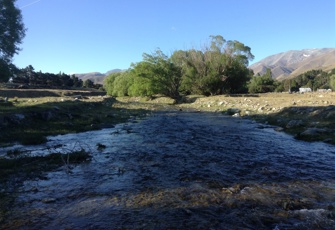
(80, 36)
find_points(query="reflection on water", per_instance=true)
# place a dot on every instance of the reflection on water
(178, 170)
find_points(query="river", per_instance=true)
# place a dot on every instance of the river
(182, 170)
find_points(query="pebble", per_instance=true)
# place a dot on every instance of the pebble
(49, 200)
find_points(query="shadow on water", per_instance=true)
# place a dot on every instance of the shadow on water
(183, 170)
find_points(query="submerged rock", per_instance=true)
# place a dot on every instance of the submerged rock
(294, 124)
(314, 132)
(232, 111)
(48, 200)
(279, 129)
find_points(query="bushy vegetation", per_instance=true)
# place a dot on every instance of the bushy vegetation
(262, 84)
(221, 67)
(314, 79)
(30, 77)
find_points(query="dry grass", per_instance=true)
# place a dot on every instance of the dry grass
(266, 104)
(313, 111)
(316, 110)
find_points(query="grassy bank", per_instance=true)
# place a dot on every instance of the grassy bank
(29, 120)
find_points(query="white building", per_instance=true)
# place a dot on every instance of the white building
(305, 90)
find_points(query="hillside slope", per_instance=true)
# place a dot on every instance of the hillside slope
(294, 62)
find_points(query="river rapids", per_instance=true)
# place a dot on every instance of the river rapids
(182, 170)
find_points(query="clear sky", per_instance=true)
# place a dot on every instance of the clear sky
(80, 36)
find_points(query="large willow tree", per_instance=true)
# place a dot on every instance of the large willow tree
(158, 75)
(221, 67)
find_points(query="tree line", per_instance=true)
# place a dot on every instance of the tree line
(220, 67)
(12, 32)
(313, 79)
(28, 76)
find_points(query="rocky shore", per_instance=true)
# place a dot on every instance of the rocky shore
(308, 116)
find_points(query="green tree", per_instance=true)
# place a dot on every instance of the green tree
(12, 32)
(76, 81)
(180, 58)
(6, 70)
(88, 83)
(332, 82)
(220, 68)
(156, 74)
(262, 84)
(118, 84)
(192, 63)
(122, 84)
(29, 71)
(141, 86)
(109, 82)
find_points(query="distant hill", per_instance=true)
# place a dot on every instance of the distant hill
(96, 77)
(294, 62)
(113, 71)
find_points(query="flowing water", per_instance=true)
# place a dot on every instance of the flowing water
(182, 170)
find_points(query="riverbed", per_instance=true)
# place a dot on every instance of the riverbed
(182, 170)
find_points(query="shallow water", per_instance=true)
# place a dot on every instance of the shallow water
(182, 170)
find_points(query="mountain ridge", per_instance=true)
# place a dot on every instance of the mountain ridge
(294, 62)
